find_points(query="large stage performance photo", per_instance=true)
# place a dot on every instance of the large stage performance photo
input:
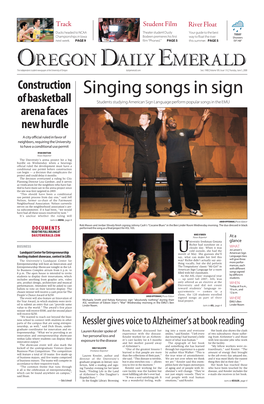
(163, 163)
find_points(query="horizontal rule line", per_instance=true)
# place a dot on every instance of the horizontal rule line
(164, 312)
(132, 74)
(122, 387)
(45, 241)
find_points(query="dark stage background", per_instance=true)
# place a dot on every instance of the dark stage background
(158, 247)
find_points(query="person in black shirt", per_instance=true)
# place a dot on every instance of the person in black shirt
(179, 167)
(145, 158)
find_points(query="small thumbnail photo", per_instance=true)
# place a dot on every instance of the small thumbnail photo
(35, 30)
(118, 29)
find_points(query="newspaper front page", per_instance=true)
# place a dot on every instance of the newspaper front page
(132, 274)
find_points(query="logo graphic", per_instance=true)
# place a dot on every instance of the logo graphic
(238, 26)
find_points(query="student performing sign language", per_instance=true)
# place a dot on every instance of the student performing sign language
(179, 167)
(145, 157)
(97, 271)
(141, 283)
